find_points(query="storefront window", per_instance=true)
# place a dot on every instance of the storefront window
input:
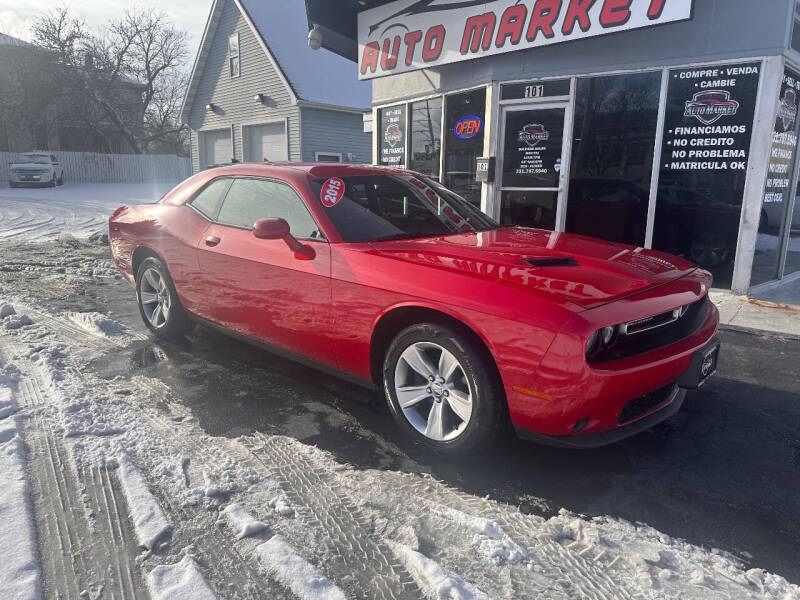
(612, 156)
(707, 131)
(464, 133)
(393, 135)
(777, 194)
(426, 136)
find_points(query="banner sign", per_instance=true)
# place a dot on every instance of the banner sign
(709, 122)
(784, 143)
(415, 34)
(393, 135)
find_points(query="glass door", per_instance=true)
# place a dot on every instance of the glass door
(530, 171)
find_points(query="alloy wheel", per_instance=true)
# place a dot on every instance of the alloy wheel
(155, 297)
(433, 391)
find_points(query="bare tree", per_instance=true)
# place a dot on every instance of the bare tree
(127, 79)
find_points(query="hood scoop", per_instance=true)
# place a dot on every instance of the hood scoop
(552, 261)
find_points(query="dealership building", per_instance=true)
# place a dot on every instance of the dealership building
(666, 124)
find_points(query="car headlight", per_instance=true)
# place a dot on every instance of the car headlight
(601, 339)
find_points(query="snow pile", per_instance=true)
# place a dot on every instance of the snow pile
(281, 561)
(241, 522)
(97, 324)
(489, 539)
(181, 581)
(15, 321)
(19, 569)
(433, 579)
(281, 505)
(150, 522)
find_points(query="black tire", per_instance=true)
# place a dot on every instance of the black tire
(61, 180)
(53, 183)
(177, 323)
(11, 184)
(488, 401)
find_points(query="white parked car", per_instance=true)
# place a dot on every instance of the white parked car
(36, 168)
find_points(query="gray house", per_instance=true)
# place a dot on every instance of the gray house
(257, 91)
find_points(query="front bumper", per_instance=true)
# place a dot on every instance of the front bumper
(32, 180)
(568, 397)
(604, 438)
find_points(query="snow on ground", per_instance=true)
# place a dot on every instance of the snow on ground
(151, 524)
(181, 581)
(241, 522)
(19, 568)
(78, 209)
(435, 580)
(295, 572)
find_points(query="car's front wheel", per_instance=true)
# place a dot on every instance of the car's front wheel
(442, 389)
(159, 305)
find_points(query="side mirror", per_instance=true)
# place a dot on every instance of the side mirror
(278, 229)
(271, 229)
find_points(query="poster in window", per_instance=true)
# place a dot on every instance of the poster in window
(704, 157)
(393, 135)
(532, 150)
(779, 180)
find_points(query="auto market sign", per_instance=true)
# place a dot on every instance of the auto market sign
(414, 34)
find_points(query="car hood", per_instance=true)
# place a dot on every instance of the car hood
(566, 268)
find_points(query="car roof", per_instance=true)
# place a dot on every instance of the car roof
(313, 170)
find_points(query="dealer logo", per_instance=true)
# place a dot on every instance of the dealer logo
(787, 109)
(393, 135)
(709, 107)
(533, 133)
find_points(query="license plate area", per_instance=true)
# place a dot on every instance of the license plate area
(703, 366)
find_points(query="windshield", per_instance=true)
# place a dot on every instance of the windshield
(376, 208)
(39, 159)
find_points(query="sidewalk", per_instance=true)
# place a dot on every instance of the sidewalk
(740, 312)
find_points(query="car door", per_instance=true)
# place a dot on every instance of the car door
(261, 288)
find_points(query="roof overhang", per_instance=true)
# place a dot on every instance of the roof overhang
(338, 22)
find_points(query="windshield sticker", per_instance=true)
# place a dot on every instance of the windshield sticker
(331, 192)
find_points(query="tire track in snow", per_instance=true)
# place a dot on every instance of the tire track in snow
(74, 547)
(324, 504)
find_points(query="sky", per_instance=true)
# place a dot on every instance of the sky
(17, 16)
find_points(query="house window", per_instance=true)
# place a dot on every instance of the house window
(233, 54)
(333, 157)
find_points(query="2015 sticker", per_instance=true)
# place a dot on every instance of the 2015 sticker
(332, 191)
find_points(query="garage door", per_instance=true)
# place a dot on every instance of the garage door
(266, 141)
(217, 148)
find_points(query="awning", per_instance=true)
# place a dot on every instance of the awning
(337, 19)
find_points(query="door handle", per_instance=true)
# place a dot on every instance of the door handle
(212, 240)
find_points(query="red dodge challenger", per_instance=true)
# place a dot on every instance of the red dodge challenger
(387, 277)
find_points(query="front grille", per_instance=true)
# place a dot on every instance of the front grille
(29, 172)
(644, 404)
(653, 338)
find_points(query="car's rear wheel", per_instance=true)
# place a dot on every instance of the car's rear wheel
(11, 184)
(159, 305)
(441, 389)
(61, 179)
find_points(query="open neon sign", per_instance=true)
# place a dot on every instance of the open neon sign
(468, 127)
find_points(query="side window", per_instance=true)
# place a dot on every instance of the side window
(207, 201)
(233, 55)
(252, 199)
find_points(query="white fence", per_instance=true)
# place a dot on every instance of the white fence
(88, 167)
